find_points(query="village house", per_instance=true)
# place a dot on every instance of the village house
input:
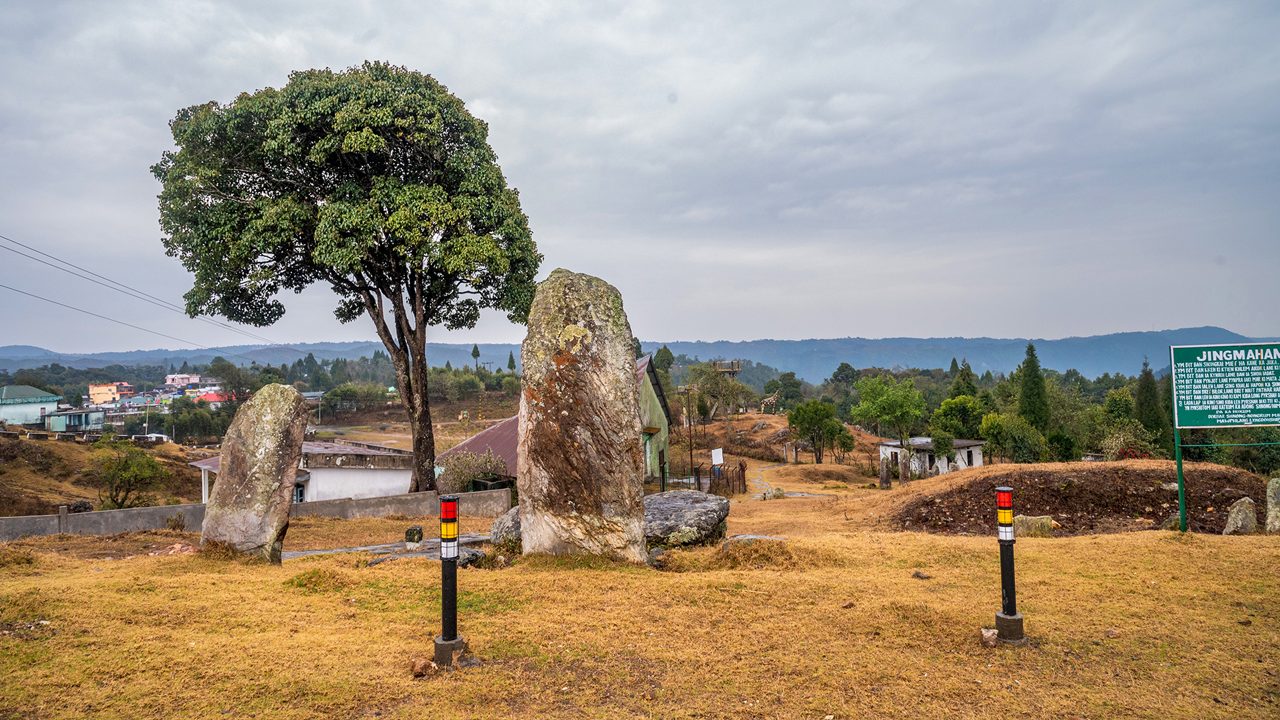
(502, 437)
(925, 462)
(75, 421)
(181, 380)
(25, 405)
(109, 393)
(334, 470)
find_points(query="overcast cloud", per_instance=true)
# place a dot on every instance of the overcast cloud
(739, 170)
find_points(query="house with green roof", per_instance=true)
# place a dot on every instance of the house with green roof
(23, 404)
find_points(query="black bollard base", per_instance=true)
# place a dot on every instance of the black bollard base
(447, 650)
(1009, 629)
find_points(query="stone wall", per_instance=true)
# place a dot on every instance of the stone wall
(486, 503)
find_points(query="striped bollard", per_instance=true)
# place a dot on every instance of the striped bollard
(448, 643)
(1008, 620)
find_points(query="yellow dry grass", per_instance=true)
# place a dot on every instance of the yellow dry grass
(830, 623)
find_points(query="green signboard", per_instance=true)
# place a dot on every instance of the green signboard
(1219, 386)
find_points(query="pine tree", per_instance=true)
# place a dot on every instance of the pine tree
(955, 368)
(664, 359)
(511, 361)
(475, 355)
(965, 382)
(1148, 408)
(1033, 401)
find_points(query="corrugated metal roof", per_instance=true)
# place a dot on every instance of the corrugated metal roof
(24, 393)
(501, 437)
(310, 448)
(926, 443)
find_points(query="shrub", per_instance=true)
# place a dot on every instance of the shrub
(460, 468)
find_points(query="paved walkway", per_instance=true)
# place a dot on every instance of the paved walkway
(430, 548)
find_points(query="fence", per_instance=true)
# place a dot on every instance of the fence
(724, 480)
(485, 503)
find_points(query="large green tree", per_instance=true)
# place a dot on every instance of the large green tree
(1033, 399)
(375, 181)
(894, 405)
(815, 422)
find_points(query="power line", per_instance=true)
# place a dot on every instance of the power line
(122, 288)
(119, 322)
(133, 292)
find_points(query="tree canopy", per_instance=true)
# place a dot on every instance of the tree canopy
(895, 405)
(375, 181)
(815, 422)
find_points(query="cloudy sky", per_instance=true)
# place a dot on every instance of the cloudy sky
(739, 170)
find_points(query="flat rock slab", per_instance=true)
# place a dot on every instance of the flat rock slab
(675, 518)
(678, 518)
(749, 539)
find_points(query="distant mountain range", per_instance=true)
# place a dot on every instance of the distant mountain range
(813, 360)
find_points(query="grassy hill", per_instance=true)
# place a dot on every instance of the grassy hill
(38, 476)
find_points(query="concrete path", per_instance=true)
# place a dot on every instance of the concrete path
(430, 547)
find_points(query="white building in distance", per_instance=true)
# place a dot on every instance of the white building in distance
(331, 471)
(925, 462)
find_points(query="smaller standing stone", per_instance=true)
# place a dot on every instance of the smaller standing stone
(248, 510)
(886, 481)
(1273, 506)
(1242, 518)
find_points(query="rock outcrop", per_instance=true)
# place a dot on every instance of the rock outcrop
(248, 510)
(1242, 518)
(684, 517)
(505, 531)
(1033, 526)
(580, 456)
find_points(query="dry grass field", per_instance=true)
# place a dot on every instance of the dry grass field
(834, 622)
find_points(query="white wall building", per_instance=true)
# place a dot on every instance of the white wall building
(23, 404)
(925, 462)
(181, 379)
(331, 471)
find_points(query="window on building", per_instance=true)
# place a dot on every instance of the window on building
(299, 493)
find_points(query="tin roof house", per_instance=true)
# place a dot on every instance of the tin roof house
(26, 405)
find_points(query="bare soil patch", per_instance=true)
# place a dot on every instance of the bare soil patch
(1084, 498)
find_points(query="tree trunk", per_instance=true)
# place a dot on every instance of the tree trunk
(406, 345)
(424, 443)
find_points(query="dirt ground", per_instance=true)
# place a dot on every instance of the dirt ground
(844, 618)
(1086, 497)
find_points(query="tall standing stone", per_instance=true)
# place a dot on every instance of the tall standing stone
(580, 456)
(248, 510)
